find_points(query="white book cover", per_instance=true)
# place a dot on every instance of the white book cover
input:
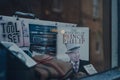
(19, 53)
(90, 69)
(73, 35)
(11, 30)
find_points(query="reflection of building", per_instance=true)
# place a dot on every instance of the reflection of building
(92, 13)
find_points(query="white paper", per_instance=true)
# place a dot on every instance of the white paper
(90, 69)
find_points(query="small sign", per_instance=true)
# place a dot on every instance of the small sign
(90, 69)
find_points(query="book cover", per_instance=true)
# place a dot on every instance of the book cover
(72, 36)
(11, 30)
(43, 38)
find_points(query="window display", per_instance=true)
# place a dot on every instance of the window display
(80, 32)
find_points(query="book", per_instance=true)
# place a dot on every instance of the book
(76, 36)
(19, 54)
(43, 39)
(11, 31)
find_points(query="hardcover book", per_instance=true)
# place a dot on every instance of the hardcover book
(78, 36)
(11, 31)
